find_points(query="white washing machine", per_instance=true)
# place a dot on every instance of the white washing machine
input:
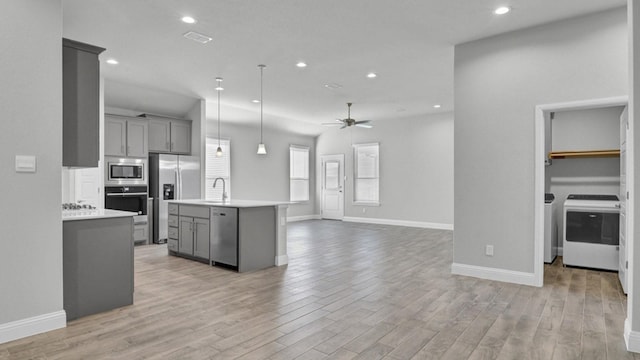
(590, 236)
(550, 229)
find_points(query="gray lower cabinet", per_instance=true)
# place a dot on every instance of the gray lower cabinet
(193, 232)
(80, 104)
(97, 265)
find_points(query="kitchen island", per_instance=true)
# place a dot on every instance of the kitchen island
(244, 235)
(97, 260)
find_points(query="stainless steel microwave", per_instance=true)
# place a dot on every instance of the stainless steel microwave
(125, 171)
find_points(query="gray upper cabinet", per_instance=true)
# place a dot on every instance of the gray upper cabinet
(115, 136)
(181, 137)
(125, 136)
(137, 138)
(168, 135)
(159, 136)
(80, 104)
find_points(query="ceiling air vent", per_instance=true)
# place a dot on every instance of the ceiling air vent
(201, 38)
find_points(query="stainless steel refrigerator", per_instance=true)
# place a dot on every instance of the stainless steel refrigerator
(171, 177)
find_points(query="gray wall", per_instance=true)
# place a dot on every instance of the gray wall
(498, 83)
(31, 109)
(416, 168)
(264, 177)
(633, 307)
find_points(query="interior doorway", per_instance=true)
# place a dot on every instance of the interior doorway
(542, 131)
(333, 187)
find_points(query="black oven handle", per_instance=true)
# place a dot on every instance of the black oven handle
(127, 194)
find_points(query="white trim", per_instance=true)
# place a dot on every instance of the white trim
(304, 217)
(418, 224)
(282, 260)
(631, 338)
(516, 277)
(31, 326)
(541, 111)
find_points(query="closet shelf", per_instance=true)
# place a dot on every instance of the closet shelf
(581, 154)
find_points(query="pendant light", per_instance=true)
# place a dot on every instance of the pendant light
(219, 89)
(262, 150)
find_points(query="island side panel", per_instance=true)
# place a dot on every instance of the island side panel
(97, 265)
(281, 236)
(256, 238)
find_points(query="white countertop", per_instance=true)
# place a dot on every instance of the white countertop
(231, 203)
(86, 214)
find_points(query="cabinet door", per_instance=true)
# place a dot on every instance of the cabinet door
(201, 238)
(115, 136)
(137, 135)
(159, 135)
(80, 104)
(181, 137)
(185, 239)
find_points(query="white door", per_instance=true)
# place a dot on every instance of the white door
(88, 187)
(624, 209)
(333, 187)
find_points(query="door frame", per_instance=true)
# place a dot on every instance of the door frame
(322, 176)
(542, 112)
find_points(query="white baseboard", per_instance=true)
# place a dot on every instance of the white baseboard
(282, 260)
(516, 277)
(303, 217)
(418, 224)
(32, 326)
(631, 338)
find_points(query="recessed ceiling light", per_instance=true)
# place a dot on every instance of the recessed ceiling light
(437, 106)
(255, 101)
(301, 64)
(371, 75)
(112, 61)
(188, 20)
(502, 10)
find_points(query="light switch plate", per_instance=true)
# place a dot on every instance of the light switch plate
(25, 163)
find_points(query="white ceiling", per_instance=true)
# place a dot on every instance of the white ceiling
(408, 43)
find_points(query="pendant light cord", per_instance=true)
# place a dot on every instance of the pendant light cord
(218, 114)
(261, 101)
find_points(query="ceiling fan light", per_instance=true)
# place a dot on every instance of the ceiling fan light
(262, 150)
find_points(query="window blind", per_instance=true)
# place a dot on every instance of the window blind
(217, 167)
(298, 173)
(367, 174)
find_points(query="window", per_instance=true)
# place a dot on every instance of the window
(367, 174)
(298, 173)
(217, 167)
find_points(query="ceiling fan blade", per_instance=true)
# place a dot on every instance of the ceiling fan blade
(363, 122)
(330, 124)
(366, 126)
(340, 120)
(343, 126)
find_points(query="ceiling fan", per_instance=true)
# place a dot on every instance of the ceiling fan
(343, 123)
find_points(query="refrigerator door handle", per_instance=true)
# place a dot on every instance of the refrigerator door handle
(177, 190)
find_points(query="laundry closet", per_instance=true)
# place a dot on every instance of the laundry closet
(583, 184)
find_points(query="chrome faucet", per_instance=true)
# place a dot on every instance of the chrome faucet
(224, 188)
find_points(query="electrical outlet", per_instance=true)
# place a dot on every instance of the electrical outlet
(364, 210)
(488, 250)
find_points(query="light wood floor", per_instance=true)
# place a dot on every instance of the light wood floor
(351, 291)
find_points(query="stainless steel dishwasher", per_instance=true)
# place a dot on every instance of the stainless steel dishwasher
(224, 236)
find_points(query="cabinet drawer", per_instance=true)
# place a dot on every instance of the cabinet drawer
(195, 211)
(173, 209)
(172, 245)
(173, 233)
(140, 232)
(173, 221)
